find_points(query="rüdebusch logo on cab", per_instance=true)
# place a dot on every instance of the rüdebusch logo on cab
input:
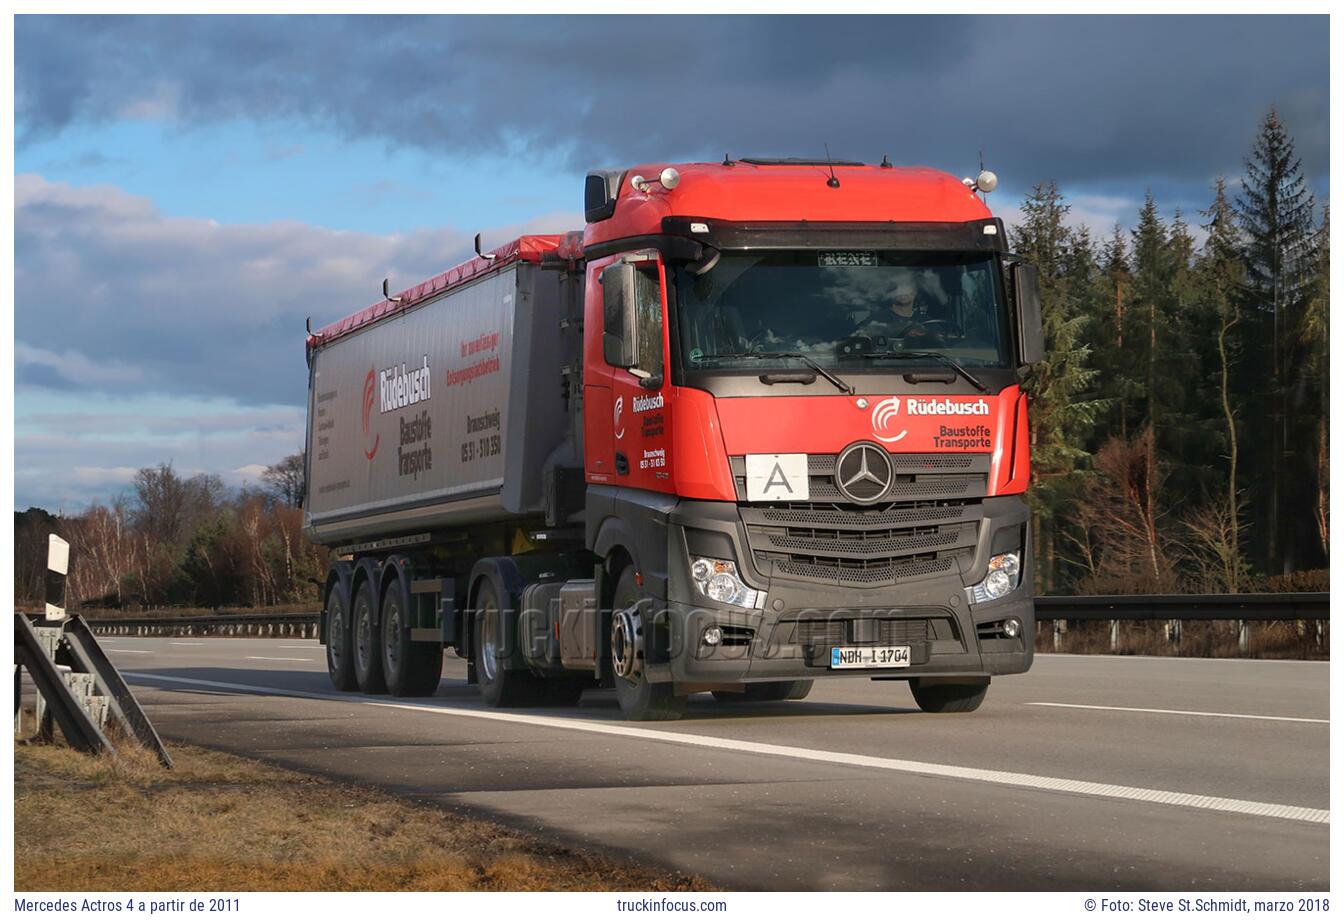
(399, 388)
(935, 406)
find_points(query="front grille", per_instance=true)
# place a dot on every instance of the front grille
(926, 525)
(840, 632)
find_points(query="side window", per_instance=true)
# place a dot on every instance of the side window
(649, 320)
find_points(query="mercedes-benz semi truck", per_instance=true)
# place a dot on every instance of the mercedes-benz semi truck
(760, 423)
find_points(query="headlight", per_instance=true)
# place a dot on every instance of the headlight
(717, 580)
(1005, 572)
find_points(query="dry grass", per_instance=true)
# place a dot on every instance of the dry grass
(221, 823)
(1294, 639)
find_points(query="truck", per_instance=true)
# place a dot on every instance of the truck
(761, 422)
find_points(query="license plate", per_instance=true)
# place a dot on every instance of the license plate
(871, 656)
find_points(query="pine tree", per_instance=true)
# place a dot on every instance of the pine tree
(1222, 275)
(1276, 211)
(1061, 415)
(1153, 275)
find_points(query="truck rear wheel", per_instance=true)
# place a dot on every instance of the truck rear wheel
(640, 700)
(500, 687)
(409, 668)
(364, 635)
(948, 697)
(340, 656)
(771, 692)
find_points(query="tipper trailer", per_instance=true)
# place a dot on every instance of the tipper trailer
(759, 423)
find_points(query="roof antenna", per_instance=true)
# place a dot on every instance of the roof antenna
(387, 296)
(726, 160)
(308, 324)
(886, 162)
(831, 182)
(487, 256)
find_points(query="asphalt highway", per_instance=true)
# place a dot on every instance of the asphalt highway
(1089, 773)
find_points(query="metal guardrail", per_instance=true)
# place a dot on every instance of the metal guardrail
(1177, 608)
(1285, 606)
(1244, 608)
(293, 625)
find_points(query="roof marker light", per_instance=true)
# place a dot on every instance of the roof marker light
(986, 181)
(991, 230)
(670, 178)
(697, 227)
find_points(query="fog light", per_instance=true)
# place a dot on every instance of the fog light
(712, 636)
(1011, 627)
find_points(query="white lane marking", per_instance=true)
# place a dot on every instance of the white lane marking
(186, 643)
(306, 648)
(941, 771)
(132, 651)
(1177, 658)
(1185, 712)
(269, 658)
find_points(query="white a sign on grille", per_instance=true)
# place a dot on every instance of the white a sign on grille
(776, 477)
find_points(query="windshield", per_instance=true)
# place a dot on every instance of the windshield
(848, 309)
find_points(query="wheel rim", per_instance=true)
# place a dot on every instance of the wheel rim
(363, 636)
(336, 637)
(489, 641)
(626, 646)
(392, 635)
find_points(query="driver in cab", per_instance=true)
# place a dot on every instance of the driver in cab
(902, 319)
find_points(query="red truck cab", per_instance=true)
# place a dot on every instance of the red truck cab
(805, 438)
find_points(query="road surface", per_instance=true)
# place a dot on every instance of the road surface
(1088, 773)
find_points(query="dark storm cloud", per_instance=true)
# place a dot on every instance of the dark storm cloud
(1150, 100)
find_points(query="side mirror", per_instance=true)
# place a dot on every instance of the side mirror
(1027, 296)
(618, 315)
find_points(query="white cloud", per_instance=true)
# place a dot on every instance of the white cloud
(76, 367)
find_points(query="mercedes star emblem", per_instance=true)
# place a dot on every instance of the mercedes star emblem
(863, 472)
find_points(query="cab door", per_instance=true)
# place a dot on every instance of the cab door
(634, 349)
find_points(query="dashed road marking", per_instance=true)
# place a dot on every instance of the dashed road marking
(937, 770)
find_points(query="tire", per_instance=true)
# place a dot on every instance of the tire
(499, 686)
(948, 697)
(640, 700)
(409, 668)
(771, 692)
(368, 662)
(340, 654)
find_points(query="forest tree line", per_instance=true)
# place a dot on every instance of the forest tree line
(180, 541)
(1178, 423)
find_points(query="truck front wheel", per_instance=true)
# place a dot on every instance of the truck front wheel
(340, 656)
(410, 668)
(640, 700)
(368, 662)
(948, 697)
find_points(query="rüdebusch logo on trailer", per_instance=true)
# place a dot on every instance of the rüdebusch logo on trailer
(399, 388)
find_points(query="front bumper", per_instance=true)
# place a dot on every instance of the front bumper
(791, 635)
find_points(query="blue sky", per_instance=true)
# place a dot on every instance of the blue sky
(189, 189)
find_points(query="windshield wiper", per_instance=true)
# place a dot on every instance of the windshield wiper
(770, 355)
(935, 356)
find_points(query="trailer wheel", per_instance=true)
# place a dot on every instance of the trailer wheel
(948, 697)
(640, 700)
(500, 687)
(771, 692)
(364, 635)
(340, 655)
(410, 668)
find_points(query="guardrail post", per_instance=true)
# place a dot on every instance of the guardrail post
(1115, 636)
(1059, 632)
(1174, 633)
(1244, 635)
